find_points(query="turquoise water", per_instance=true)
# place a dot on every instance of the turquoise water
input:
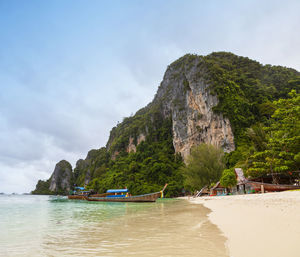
(51, 226)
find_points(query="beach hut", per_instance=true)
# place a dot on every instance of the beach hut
(218, 190)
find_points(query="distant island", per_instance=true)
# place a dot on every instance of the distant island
(222, 99)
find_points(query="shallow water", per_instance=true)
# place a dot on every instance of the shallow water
(51, 226)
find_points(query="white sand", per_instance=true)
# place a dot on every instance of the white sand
(264, 225)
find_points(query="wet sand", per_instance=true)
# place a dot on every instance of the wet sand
(265, 225)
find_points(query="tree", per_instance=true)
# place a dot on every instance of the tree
(257, 135)
(204, 166)
(228, 178)
(283, 140)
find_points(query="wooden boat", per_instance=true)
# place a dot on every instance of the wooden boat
(117, 195)
(257, 186)
(77, 197)
(270, 187)
(79, 194)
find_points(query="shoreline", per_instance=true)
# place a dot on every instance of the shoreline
(262, 225)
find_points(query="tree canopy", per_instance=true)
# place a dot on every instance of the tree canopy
(281, 150)
(228, 178)
(204, 166)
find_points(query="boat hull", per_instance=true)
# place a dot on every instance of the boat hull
(138, 198)
(77, 197)
(271, 187)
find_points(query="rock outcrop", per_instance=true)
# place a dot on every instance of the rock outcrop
(185, 96)
(62, 177)
(84, 169)
(132, 146)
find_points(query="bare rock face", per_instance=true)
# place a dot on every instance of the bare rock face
(61, 178)
(185, 95)
(131, 146)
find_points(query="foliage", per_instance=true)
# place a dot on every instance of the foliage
(152, 165)
(204, 166)
(42, 188)
(228, 178)
(280, 152)
(258, 136)
(245, 88)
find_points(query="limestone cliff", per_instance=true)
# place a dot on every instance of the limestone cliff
(86, 169)
(62, 177)
(186, 97)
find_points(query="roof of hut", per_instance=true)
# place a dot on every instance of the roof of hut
(218, 185)
(239, 175)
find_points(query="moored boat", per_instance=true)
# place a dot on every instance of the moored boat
(271, 187)
(122, 195)
(256, 186)
(76, 197)
(79, 194)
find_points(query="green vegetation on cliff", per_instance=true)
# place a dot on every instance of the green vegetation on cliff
(245, 88)
(42, 188)
(146, 170)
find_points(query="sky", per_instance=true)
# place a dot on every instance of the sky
(70, 70)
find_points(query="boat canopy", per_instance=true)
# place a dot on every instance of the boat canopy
(117, 190)
(112, 196)
(80, 188)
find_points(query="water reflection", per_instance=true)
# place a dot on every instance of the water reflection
(165, 228)
(47, 226)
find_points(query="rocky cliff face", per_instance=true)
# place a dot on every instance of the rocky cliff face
(186, 97)
(62, 177)
(83, 165)
(131, 146)
(86, 169)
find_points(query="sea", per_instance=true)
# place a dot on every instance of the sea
(32, 225)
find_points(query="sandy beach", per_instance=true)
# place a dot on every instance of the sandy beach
(265, 225)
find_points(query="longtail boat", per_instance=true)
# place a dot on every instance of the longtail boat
(79, 194)
(271, 187)
(84, 196)
(118, 195)
(76, 197)
(258, 186)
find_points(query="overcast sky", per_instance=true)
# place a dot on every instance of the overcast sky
(71, 69)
